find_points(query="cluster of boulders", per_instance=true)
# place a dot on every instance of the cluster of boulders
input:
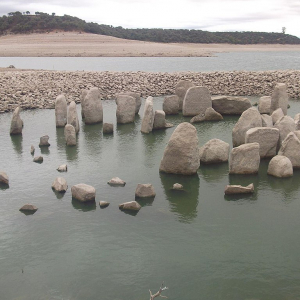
(38, 89)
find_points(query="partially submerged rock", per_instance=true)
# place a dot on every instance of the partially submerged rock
(279, 98)
(160, 120)
(16, 125)
(144, 190)
(226, 105)
(177, 186)
(83, 192)
(291, 149)
(70, 135)
(62, 168)
(280, 166)
(180, 90)
(277, 115)
(82, 97)
(148, 118)
(38, 159)
(116, 181)
(44, 141)
(29, 208)
(4, 178)
(132, 205)
(61, 111)
(285, 125)
(32, 150)
(136, 96)
(93, 110)
(171, 105)
(209, 115)
(60, 185)
(238, 189)
(214, 151)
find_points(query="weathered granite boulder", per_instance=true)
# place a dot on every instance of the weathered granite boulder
(126, 106)
(214, 151)
(180, 90)
(82, 97)
(93, 110)
(28, 208)
(132, 205)
(266, 120)
(238, 189)
(279, 98)
(44, 141)
(177, 186)
(136, 96)
(73, 116)
(4, 178)
(148, 118)
(83, 192)
(277, 115)
(197, 99)
(244, 159)
(38, 159)
(249, 119)
(116, 181)
(108, 128)
(264, 104)
(226, 105)
(171, 105)
(198, 119)
(212, 115)
(266, 137)
(32, 150)
(160, 120)
(291, 149)
(280, 166)
(61, 111)
(62, 168)
(16, 124)
(60, 185)
(181, 156)
(70, 135)
(144, 190)
(285, 125)
(297, 121)
(103, 204)
(297, 133)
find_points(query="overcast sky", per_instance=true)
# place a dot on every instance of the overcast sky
(211, 15)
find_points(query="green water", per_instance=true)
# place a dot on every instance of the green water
(202, 244)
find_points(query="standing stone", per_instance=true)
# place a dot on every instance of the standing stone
(266, 137)
(264, 105)
(214, 151)
(171, 105)
(181, 155)
(73, 116)
(266, 120)
(180, 90)
(148, 118)
(132, 205)
(291, 149)
(82, 97)
(16, 124)
(226, 105)
(93, 111)
(115, 181)
(44, 141)
(144, 190)
(60, 185)
(108, 128)
(4, 178)
(277, 115)
(160, 120)
(196, 101)
(285, 125)
(280, 166)
(83, 192)
(249, 119)
(297, 121)
(70, 135)
(136, 96)
(244, 159)
(61, 111)
(125, 109)
(38, 159)
(279, 98)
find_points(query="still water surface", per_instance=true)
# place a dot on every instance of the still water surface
(233, 61)
(202, 244)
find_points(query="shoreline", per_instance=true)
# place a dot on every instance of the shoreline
(76, 44)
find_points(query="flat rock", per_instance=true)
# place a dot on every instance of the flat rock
(126, 106)
(171, 105)
(226, 105)
(214, 151)
(116, 181)
(83, 192)
(16, 125)
(212, 115)
(132, 205)
(29, 208)
(60, 185)
(279, 98)
(148, 118)
(144, 190)
(4, 178)
(280, 166)
(238, 189)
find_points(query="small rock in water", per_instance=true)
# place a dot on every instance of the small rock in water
(177, 186)
(144, 190)
(32, 149)
(62, 168)
(29, 208)
(44, 141)
(116, 181)
(60, 185)
(103, 204)
(4, 178)
(38, 159)
(133, 205)
(238, 189)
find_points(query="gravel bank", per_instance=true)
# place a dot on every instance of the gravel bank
(38, 89)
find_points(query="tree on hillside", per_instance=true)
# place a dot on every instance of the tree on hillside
(27, 12)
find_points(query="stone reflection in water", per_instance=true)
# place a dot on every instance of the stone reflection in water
(83, 206)
(183, 203)
(45, 150)
(72, 153)
(17, 142)
(213, 172)
(144, 201)
(92, 137)
(60, 138)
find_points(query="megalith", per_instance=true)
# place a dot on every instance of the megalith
(126, 106)
(73, 116)
(171, 105)
(279, 98)
(61, 111)
(280, 166)
(148, 118)
(93, 110)
(226, 105)
(16, 124)
(214, 151)
(290, 148)
(136, 96)
(70, 135)
(180, 90)
(264, 104)
(285, 125)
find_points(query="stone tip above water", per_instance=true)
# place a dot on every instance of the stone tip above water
(60, 185)
(4, 178)
(44, 141)
(83, 192)
(145, 190)
(29, 208)
(177, 186)
(132, 205)
(238, 189)
(116, 181)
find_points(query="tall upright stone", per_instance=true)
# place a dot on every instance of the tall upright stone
(181, 156)
(279, 98)
(171, 105)
(70, 135)
(136, 96)
(93, 110)
(197, 99)
(126, 106)
(73, 116)
(226, 105)
(148, 118)
(82, 97)
(285, 125)
(264, 104)
(61, 111)
(16, 124)
(180, 90)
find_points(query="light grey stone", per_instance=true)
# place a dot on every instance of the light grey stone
(83, 192)
(103, 204)
(181, 155)
(297, 133)
(238, 189)
(285, 125)
(266, 120)
(148, 118)
(197, 99)
(180, 90)
(32, 150)
(70, 135)
(177, 186)
(136, 96)
(212, 115)
(171, 105)
(4, 178)
(266, 137)
(73, 116)
(277, 115)
(82, 97)
(226, 105)
(279, 98)
(60, 185)
(38, 159)
(160, 120)
(44, 141)
(132, 205)
(297, 121)
(93, 110)
(62, 168)
(280, 166)
(125, 109)
(244, 159)
(61, 111)
(291, 149)
(199, 118)
(116, 181)
(214, 151)
(264, 105)
(249, 119)
(145, 190)
(16, 125)
(108, 128)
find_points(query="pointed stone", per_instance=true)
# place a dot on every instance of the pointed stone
(16, 124)
(279, 98)
(93, 110)
(61, 111)
(70, 135)
(148, 118)
(73, 116)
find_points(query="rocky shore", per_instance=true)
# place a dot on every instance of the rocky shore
(39, 89)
